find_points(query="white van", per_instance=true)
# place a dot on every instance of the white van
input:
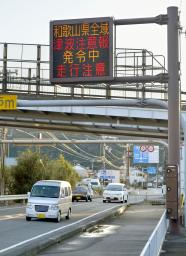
(49, 199)
(95, 183)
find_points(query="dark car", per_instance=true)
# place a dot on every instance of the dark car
(81, 193)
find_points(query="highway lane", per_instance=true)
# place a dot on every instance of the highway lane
(14, 229)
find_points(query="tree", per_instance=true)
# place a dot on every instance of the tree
(7, 179)
(63, 170)
(29, 169)
(32, 166)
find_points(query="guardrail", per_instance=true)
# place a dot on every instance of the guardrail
(155, 242)
(13, 197)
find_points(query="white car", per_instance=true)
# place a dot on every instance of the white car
(49, 199)
(115, 192)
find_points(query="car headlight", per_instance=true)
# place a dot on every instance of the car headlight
(29, 205)
(54, 207)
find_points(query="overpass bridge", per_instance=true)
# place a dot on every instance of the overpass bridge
(100, 120)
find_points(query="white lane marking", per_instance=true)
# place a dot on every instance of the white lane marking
(9, 217)
(54, 230)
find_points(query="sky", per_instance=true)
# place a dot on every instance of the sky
(27, 21)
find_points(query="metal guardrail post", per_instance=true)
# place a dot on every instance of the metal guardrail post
(143, 71)
(5, 50)
(29, 80)
(107, 88)
(38, 69)
(72, 91)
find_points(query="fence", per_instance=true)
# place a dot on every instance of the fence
(155, 242)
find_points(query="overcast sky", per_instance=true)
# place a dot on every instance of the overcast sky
(27, 21)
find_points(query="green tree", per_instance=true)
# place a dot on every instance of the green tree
(63, 170)
(5, 180)
(29, 169)
(32, 166)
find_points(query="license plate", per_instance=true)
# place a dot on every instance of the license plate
(41, 215)
(78, 197)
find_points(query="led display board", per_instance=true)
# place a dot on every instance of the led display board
(81, 50)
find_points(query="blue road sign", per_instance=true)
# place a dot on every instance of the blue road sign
(139, 156)
(151, 170)
(144, 154)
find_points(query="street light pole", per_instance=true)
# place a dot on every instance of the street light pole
(3, 155)
(128, 163)
(104, 156)
(172, 201)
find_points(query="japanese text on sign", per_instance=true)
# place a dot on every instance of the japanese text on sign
(145, 156)
(81, 50)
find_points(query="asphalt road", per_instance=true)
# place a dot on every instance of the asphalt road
(15, 231)
(123, 235)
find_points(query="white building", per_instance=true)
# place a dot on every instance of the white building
(136, 176)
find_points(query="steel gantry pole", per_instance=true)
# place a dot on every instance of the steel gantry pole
(173, 120)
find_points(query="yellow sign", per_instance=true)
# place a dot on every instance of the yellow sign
(8, 102)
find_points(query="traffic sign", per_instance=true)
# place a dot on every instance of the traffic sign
(151, 170)
(145, 154)
(149, 148)
(8, 102)
(143, 148)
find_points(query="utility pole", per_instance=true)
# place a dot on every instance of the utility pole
(128, 156)
(104, 156)
(3, 155)
(172, 197)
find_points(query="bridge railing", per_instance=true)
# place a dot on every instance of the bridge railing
(24, 69)
(155, 242)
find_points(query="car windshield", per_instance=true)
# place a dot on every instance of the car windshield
(45, 191)
(114, 187)
(79, 189)
(94, 183)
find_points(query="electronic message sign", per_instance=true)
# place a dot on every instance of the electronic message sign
(81, 50)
